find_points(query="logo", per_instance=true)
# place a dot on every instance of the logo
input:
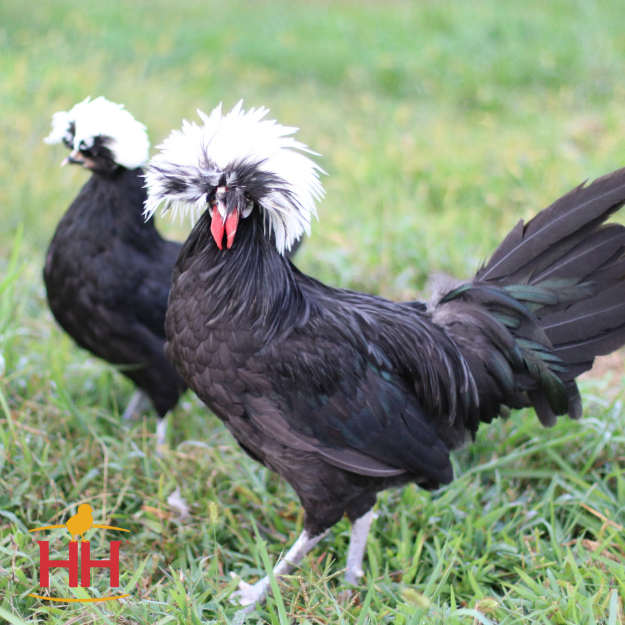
(79, 525)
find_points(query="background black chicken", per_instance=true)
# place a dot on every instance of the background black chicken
(108, 271)
(345, 394)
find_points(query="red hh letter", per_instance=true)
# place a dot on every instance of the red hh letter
(86, 564)
(45, 563)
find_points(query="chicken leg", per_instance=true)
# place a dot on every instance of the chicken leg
(357, 546)
(138, 402)
(251, 594)
(161, 433)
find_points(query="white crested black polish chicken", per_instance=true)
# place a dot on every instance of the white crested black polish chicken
(108, 271)
(345, 394)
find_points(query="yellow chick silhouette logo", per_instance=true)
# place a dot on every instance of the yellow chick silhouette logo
(81, 522)
(78, 525)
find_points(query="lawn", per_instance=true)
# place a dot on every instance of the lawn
(441, 123)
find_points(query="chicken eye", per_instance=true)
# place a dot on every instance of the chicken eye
(210, 200)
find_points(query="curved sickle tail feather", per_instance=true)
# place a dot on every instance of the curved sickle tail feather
(550, 299)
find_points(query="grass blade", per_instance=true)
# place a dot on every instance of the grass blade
(277, 595)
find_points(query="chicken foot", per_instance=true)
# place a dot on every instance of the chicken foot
(251, 594)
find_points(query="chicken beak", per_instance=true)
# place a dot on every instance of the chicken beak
(229, 224)
(75, 158)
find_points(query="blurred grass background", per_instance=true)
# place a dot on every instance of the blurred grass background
(441, 123)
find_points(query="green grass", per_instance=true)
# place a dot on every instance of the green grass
(440, 124)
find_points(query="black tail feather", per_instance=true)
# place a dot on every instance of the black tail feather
(582, 209)
(587, 318)
(556, 288)
(586, 257)
(582, 352)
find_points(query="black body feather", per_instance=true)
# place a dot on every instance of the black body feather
(108, 276)
(345, 394)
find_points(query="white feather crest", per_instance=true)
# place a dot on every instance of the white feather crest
(192, 155)
(129, 141)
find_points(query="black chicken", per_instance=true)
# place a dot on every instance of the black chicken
(108, 271)
(346, 394)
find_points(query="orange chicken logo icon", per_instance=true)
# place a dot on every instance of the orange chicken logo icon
(80, 523)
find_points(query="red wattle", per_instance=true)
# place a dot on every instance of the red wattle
(217, 228)
(232, 221)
